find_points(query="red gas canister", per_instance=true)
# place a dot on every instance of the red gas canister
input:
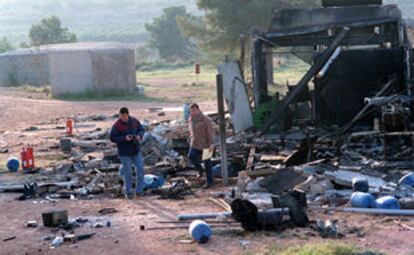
(24, 156)
(30, 157)
(69, 127)
(27, 155)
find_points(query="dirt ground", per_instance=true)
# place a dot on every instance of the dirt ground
(124, 236)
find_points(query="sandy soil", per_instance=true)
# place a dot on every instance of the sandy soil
(125, 236)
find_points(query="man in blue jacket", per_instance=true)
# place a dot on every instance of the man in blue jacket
(127, 132)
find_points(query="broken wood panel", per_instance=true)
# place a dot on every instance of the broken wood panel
(283, 180)
(269, 158)
(250, 160)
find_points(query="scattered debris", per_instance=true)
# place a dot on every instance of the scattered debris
(9, 238)
(55, 218)
(106, 211)
(31, 224)
(58, 241)
(328, 229)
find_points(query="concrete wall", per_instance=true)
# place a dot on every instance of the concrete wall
(72, 69)
(16, 70)
(113, 71)
(70, 72)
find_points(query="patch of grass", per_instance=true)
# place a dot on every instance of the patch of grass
(289, 70)
(182, 75)
(34, 89)
(329, 248)
(194, 85)
(160, 65)
(107, 96)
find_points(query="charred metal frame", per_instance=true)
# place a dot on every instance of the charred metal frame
(369, 26)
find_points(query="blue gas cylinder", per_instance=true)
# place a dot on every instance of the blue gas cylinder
(13, 164)
(153, 181)
(387, 202)
(407, 179)
(362, 200)
(200, 231)
(186, 111)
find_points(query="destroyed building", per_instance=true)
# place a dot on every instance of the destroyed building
(71, 68)
(360, 57)
(351, 108)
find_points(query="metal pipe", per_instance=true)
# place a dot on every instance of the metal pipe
(380, 211)
(374, 211)
(202, 216)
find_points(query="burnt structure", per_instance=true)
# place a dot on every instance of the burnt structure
(361, 65)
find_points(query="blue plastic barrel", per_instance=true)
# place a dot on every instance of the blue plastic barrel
(13, 164)
(387, 202)
(200, 231)
(153, 181)
(407, 179)
(362, 200)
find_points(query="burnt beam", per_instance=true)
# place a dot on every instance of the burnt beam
(332, 3)
(312, 72)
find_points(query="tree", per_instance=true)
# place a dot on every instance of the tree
(223, 23)
(166, 36)
(5, 45)
(50, 31)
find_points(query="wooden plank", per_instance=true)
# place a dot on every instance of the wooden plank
(250, 160)
(267, 158)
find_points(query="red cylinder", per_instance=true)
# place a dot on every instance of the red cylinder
(24, 156)
(197, 68)
(30, 157)
(69, 127)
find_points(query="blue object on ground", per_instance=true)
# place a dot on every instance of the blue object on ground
(200, 231)
(387, 202)
(362, 200)
(13, 164)
(360, 184)
(153, 181)
(407, 179)
(217, 170)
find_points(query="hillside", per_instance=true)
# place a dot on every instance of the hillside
(115, 20)
(100, 20)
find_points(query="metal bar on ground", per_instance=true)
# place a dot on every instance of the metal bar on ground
(373, 211)
(221, 113)
(202, 216)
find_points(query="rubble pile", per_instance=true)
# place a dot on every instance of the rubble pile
(90, 165)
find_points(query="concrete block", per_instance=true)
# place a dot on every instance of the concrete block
(55, 218)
